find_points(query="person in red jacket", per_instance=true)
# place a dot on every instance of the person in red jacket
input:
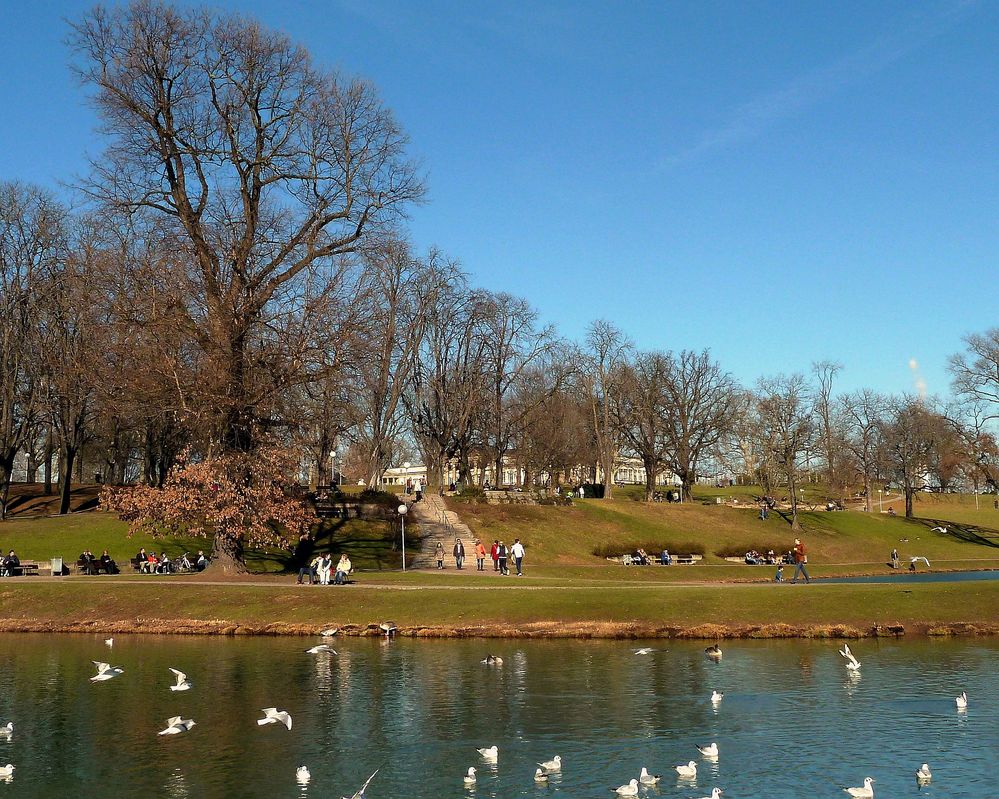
(800, 559)
(495, 555)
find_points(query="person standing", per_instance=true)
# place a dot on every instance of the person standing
(494, 552)
(439, 555)
(800, 559)
(517, 550)
(459, 553)
(501, 552)
(480, 556)
(894, 558)
(303, 557)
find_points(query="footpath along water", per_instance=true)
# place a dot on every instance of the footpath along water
(793, 721)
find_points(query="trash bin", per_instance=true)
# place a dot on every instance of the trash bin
(57, 567)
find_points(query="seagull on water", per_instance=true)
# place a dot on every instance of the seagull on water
(490, 753)
(330, 632)
(303, 775)
(177, 725)
(648, 779)
(716, 697)
(852, 663)
(962, 701)
(105, 671)
(645, 650)
(715, 793)
(631, 789)
(7, 771)
(540, 776)
(272, 716)
(689, 771)
(923, 774)
(492, 660)
(109, 642)
(469, 778)
(321, 648)
(711, 750)
(713, 652)
(867, 792)
(555, 764)
(182, 684)
(7, 731)
(360, 793)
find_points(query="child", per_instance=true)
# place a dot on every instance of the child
(779, 577)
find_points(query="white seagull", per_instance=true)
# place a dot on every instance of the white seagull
(715, 793)
(469, 778)
(962, 701)
(109, 642)
(912, 561)
(321, 648)
(923, 774)
(303, 775)
(182, 684)
(272, 716)
(105, 671)
(867, 792)
(853, 664)
(330, 632)
(490, 753)
(360, 793)
(689, 771)
(645, 650)
(555, 764)
(711, 750)
(938, 529)
(631, 789)
(716, 697)
(177, 725)
(7, 771)
(648, 779)
(540, 776)
(7, 731)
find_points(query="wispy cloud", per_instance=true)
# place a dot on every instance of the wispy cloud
(917, 378)
(757, 115)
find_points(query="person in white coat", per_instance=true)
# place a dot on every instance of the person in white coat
(517, 550)
(325, 566)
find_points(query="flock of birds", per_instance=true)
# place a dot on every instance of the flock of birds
(685, 771)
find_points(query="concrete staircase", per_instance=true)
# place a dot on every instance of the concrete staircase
(437, 523)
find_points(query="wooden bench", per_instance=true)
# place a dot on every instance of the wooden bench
(27, 568)
(687, 560)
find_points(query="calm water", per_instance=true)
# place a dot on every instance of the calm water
(792, 723)
(917, 577)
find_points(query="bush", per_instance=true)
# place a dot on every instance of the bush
(371, 496)
(652, 548)
(471, 494)
(557, 499)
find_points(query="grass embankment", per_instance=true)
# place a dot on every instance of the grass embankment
(508, 609)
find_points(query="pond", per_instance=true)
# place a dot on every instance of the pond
(916, 577)
(793, 721)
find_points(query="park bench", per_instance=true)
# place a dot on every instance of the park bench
(27, 568)
(687, 560)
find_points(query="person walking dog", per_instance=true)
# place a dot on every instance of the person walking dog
(800, 559)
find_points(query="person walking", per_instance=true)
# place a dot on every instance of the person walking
(439, 555)
(517, 550)
(480, 556)
(800, 559)
(501, 552)
(494, 552)
(894, 558)
(459, 553)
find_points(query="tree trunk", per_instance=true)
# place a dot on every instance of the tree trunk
(47, 471)
(6, 472)
(66, 480)
(909, 493)
(867, 493)
(792, 486)
(650, 481)
(227, 554)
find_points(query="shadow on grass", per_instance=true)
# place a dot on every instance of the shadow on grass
(969, 533)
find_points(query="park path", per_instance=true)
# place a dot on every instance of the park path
(437, 523)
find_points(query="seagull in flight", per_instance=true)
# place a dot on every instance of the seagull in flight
(330, 632)
(938, 529)
(177, 725)
(272, 716)
(105, 671)
(182, 684)
(645, 650)
(853, 664)
(912, 561)
(360, 793)
(867, 792)
(321, 648)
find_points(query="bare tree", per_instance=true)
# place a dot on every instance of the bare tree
(608, 349)
(863, 412)
(787, 427)
(976, 373)
(267, 167)
(641, 413)
(911, 431)
(825, 409)
(700, 401)
(32, 246)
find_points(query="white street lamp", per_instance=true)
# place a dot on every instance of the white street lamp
(403, 510)
(880, 507)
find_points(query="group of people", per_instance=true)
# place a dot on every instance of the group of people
(89, 564)
(9, 564)
(754, 558)
(500, 555)
(319, 569)
(151, 563)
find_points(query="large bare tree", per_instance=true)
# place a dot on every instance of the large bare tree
(267, 167)
(911, 432)
(863, 413)
(607, 349)
(641, 413)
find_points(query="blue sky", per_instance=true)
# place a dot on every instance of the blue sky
(779, 182)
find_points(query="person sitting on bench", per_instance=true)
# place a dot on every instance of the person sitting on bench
(108, 564)
(343, 568)
(142, 560)
(10, 564)
(202, 562)
(166, 565)
(88, 562)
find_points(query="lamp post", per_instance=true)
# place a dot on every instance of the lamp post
(880, 508)
(403, 510)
